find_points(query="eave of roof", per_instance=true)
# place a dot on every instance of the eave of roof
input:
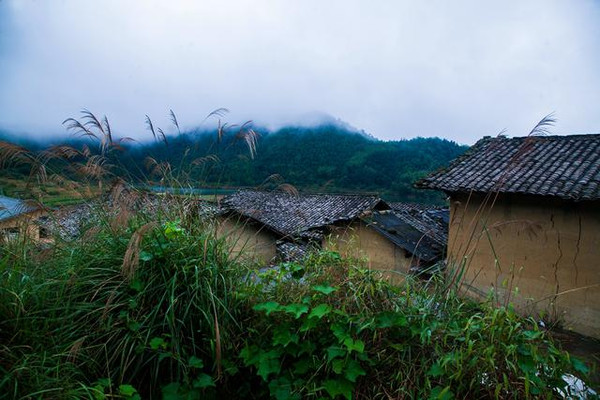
(567, 167)
(13, 208)
(299, 215)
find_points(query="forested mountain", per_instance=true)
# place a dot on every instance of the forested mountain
(326, 158)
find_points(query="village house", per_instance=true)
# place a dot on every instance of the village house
(18, 217)
(273, 226)
(525, 225)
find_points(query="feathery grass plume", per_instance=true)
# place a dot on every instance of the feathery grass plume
(74, 125)
(85, 150)
(150, 126)
(270, 181)
(219, 112)
(107, 129)
(174, 121)
(250, 137)
(542, 128)
(163, 137)
(62, 152)
(131, 259)
(211, 158)
(38, 171)
(94, 167)
(91, 120)
(289, 189)
(150, 164)
(13, 154)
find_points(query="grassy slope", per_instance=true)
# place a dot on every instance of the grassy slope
(50, 194)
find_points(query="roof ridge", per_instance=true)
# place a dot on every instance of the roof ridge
(308, 193)
(552, 137)
(566, 166)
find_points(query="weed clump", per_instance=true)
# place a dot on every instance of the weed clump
(157, 308)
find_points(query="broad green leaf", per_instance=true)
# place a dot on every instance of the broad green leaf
(268, 307)
(307, 347)
(136, 284)
(134, 326)
(337, 387)
(282, 336)
(324, 289)
(353, 370)
(171, 391)
(146, 256)
(129, 392)
(104, 382)
(320, 311)
(296, 309)
(354, 345)
(338, 365)
(268, 364)
(250, 355)
(579, 366)
(158, 343)
(390, 319)
(281, 389)
(441, 393)
(195, 362)
(527, 364)
(532, 335)
(98, 392)
(335, 351)
(339, 331)
(435, 370)
(302, 366)
(203, 381)
(308, 324)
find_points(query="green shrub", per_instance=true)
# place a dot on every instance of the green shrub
(156, 308)
(340, 331)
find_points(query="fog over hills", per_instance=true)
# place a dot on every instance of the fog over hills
(323, 158)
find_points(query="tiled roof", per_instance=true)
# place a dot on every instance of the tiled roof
(10, 207)
(567, 167)
(412, 207)
(293, 215)
(430, 220)
(420, 230)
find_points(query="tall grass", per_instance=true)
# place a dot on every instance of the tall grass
(146, 302)
(133, 304)
(87, 320)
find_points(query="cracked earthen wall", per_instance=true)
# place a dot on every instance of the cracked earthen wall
(360, 241)
(541, 254)
(248, 240)
(25, 223)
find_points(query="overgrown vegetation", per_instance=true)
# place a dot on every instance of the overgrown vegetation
(148, 302)
(157, 308)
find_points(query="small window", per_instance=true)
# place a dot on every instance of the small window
(10, 233)
(44, 233)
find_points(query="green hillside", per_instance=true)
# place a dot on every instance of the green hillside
(324, 158)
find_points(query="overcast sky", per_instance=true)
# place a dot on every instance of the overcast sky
(397, 69)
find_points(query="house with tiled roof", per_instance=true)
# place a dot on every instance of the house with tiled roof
(525, 225)
(18, 217)
(271, 225)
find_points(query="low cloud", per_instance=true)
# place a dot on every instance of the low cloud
(458, 70)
